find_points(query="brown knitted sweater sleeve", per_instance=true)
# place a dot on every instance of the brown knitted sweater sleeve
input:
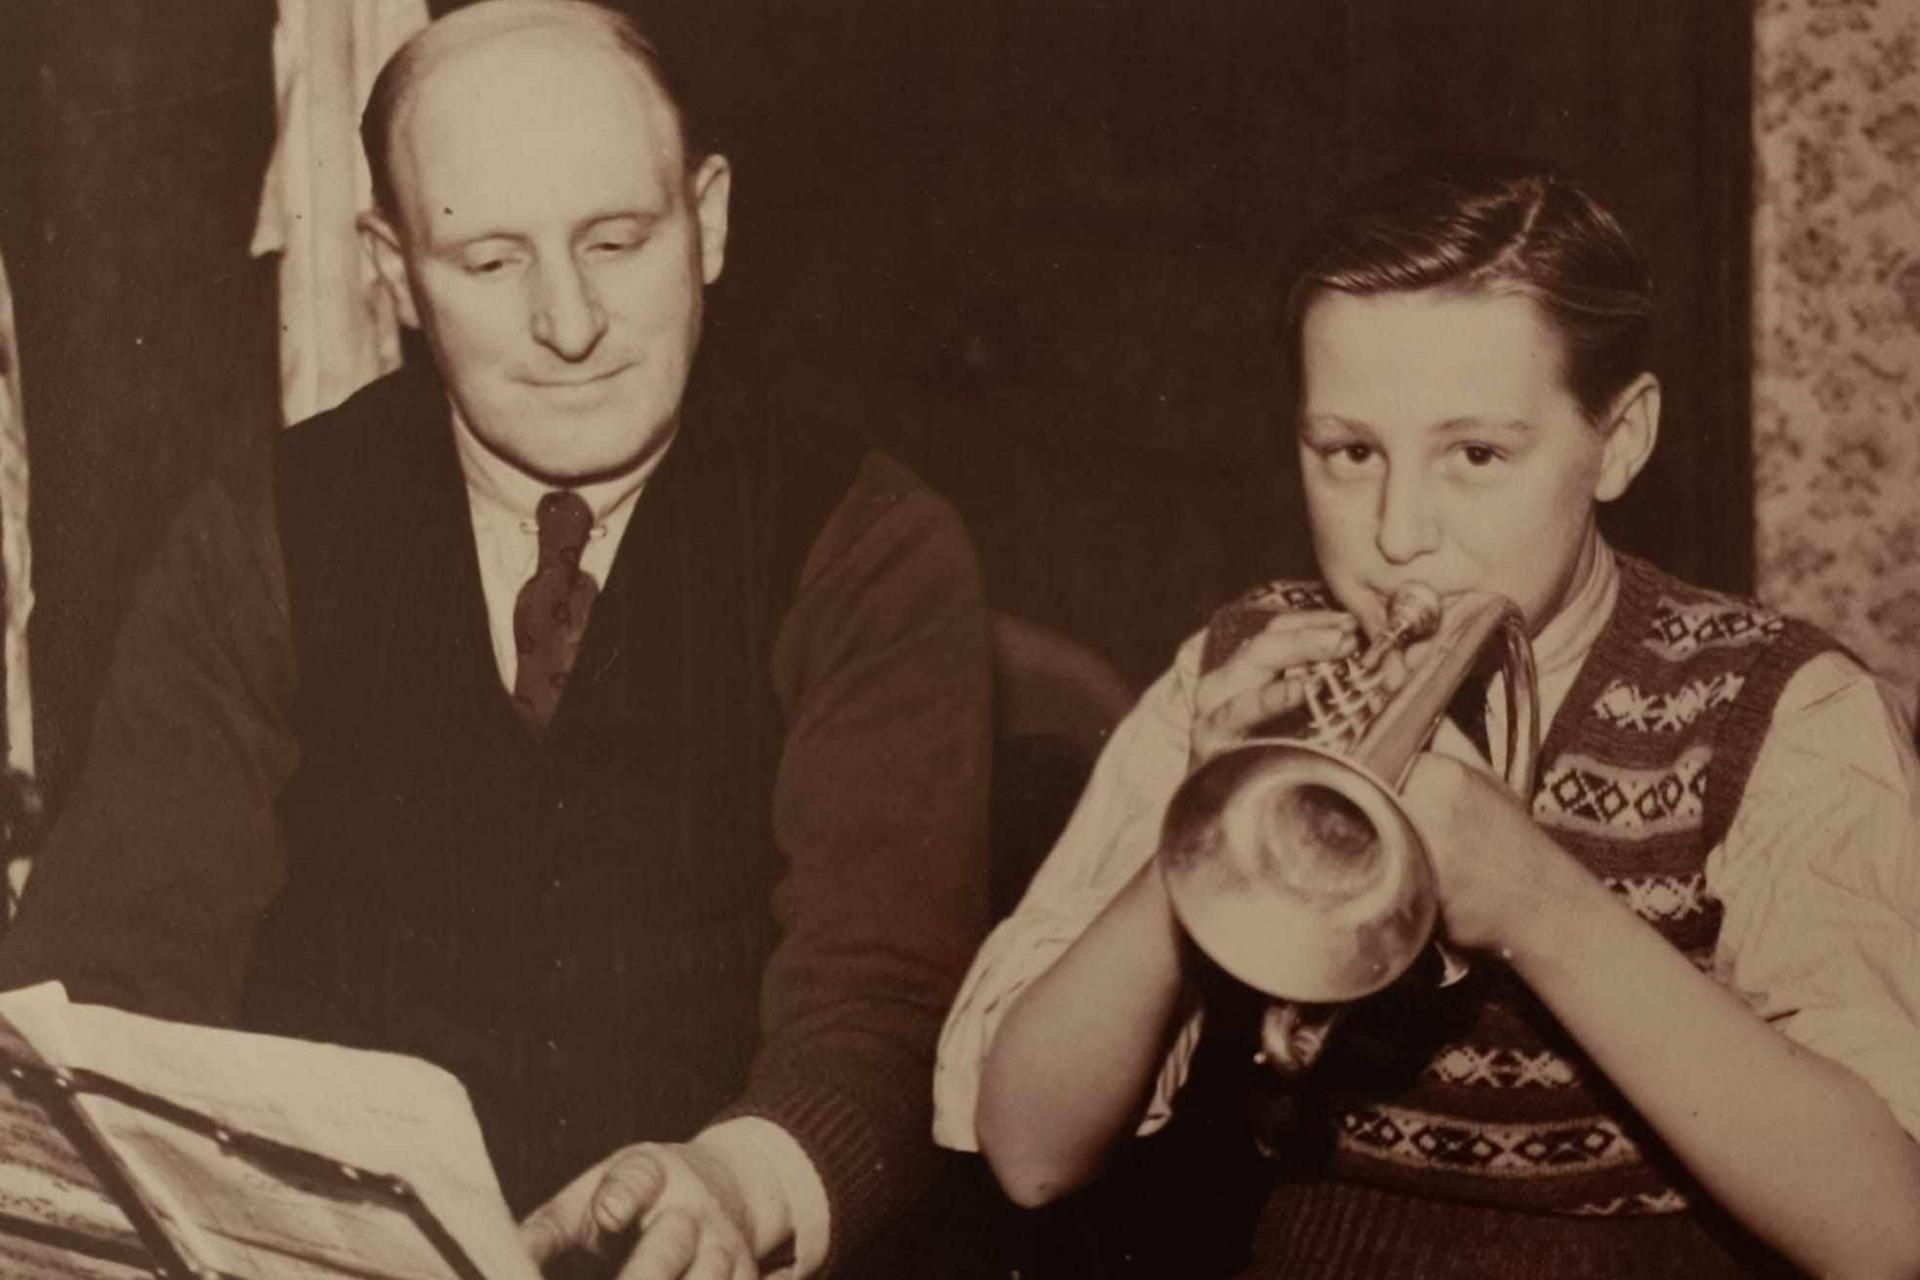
(883, 665)
(150, 885)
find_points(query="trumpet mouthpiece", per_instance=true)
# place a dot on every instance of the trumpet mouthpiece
(1414, 612)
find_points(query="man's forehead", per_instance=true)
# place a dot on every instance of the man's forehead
(516, 62)
(534, 112)
(470, 29)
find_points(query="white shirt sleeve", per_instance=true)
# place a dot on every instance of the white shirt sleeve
(1819, 876)
(1113, 831)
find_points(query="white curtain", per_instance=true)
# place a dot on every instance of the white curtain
(14, 553)
(337, 327)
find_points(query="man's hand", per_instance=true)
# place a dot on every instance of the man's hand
(1263, 678)
(1499, 873)
(683, 1200)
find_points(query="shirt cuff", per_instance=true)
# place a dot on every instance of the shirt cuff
(771, 1164)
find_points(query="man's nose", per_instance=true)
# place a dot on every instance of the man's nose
(567, 316)
(1406, 529)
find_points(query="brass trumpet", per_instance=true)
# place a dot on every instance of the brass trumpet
(1290, 861)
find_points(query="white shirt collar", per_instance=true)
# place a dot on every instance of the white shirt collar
(1563, 644)
(1559, 651)
(501, 490)
(501, 501)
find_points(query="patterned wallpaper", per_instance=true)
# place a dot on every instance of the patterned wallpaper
(1837, 321)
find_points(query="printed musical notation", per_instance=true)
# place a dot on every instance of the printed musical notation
(235, 1155)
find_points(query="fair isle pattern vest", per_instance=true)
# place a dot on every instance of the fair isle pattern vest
(1640, 775)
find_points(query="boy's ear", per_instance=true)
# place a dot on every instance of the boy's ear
(382, 244)
(1632, 428)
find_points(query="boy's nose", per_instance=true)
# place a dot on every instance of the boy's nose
(1406, 529)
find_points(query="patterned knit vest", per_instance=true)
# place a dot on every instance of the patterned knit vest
(1475, 1093)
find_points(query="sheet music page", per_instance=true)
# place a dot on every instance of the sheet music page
(55, 1220)
(382, 1112)
(238, 1218)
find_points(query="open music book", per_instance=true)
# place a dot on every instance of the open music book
(133, 1147)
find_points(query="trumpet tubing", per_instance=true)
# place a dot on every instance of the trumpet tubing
(1290, 861)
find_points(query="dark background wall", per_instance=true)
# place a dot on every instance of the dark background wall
(1029, 244)
(147, 336)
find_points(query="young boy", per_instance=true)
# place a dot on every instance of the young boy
(1696, 946)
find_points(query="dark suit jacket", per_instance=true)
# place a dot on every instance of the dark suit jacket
(151, 887)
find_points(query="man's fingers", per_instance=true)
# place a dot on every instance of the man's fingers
(542, 1236)
(606, 1200)
(629, 1186)
(713, 1260)
(666, 1248)
(562, 1222)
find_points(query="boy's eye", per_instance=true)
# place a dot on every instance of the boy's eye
(1348, 459)
(1479, 455)
(1353, 452)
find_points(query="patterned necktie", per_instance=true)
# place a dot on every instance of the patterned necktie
(550, 614)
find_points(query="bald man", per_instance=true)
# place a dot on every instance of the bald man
(624, 752)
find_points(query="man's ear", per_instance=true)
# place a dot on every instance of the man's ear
(712, 187)
(382, 244)
(1632, 428)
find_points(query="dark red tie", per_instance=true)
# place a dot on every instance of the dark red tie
(550, 614)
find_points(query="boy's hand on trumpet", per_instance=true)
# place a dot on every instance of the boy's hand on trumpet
(1496, 867)
(1266, 677)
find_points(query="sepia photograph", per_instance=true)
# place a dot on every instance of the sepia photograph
(1037, 640)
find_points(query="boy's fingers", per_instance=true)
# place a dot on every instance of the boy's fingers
(1230, 722)
(1311, 618)
(1264, 703)
(1266, 656)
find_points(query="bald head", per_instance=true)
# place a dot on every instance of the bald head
(493, 29)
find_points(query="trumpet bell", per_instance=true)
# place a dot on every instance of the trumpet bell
(1298, 872)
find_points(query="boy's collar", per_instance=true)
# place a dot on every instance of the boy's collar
(1571, 633)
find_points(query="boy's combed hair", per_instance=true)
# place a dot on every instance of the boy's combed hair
(1490, 226)
(396, 80)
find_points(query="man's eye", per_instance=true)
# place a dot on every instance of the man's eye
(1479, 455)
(488, 264)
